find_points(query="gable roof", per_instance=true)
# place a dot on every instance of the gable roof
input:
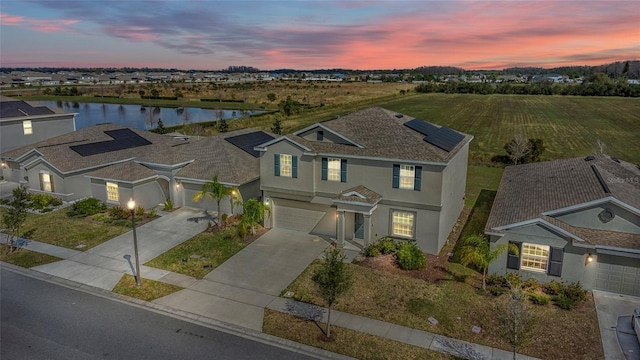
(537, 190)
(381, 134)
(128, 171)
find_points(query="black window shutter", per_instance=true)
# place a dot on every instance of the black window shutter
(555, 262)
(396, 176)
(294, 165)
(513, 261)
(276, 164)
(324, 168)
(343, 170)
(417, 180)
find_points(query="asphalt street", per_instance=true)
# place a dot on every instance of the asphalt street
(41, 320)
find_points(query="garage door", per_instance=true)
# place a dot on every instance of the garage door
(300, 216)
(618, 274)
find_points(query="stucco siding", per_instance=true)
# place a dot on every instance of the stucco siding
(623, 221)
(305, 171)
(454, 179)
(12, 134)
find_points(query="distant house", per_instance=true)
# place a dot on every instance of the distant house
(573, 220)
(114, 163)
(22, 123)
(367, 175)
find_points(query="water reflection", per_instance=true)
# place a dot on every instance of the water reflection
(141, 117)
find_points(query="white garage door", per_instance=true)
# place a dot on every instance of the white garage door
(297, 215)
(618, 274)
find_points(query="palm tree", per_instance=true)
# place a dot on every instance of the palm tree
(253, 214)
(476, 250)
(213, 189)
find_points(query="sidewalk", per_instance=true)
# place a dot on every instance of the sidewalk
(216, 303)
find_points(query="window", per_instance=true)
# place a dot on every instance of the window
(402, 223)
(534, 257)
(320, 135)
(112, 192)
(46, 182)
(285, 165)
(333, 169)
(407, 174)
(27, 128)
(407, 177)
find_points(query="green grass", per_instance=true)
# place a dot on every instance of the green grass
(148, 291)
(481, 178)
(569, 125)
(458, 305)
(347, 342)
(57, 229)
(25, 258)
(215, 248)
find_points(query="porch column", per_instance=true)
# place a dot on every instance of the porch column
(340, 229)
(367, 229)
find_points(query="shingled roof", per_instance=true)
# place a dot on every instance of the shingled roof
(528, 191)
(381, 134)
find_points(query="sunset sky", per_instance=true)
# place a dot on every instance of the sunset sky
(365, 35)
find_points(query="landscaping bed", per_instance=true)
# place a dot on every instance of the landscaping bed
(148, 291)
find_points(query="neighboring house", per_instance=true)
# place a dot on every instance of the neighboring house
(573, 220)
(22, 123)
(367, 175)
(113, 164)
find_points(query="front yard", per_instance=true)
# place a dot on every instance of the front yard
(453, 298)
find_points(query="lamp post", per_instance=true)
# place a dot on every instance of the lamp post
(132, 207)
(232, 199)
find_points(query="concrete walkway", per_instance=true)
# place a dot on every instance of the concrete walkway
(237, 292)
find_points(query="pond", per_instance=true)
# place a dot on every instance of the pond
(141, 117)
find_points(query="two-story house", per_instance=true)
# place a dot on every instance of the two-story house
(367, 175)
(22, 123)
(573, 219)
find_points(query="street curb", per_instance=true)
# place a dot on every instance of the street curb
(182, 315)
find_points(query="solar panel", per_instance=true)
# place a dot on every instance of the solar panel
(445, 138)
(247, 142)
(421, 126)
(442, 137)
(21, 108)
(122, 139)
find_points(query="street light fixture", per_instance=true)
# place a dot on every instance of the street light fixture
(132, 207)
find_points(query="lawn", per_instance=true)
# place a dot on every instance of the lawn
(347, 342)
(479, 179)
(210, 249)
(458, 305)
(148, 291)
(57, 229)
(25, 258)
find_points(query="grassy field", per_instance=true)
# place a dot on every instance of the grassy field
(458, 305)
(569, 125)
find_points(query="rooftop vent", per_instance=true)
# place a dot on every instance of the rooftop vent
(399, 116)
(589, 158)
(616, 160)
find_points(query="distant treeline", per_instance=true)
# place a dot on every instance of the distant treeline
(610, 88)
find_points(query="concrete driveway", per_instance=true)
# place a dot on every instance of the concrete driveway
(237, 291)
(609, 307)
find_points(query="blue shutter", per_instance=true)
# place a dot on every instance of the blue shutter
(555, 262)
(513, 260)
(325, 166)
(343, 170)
(276, 164)
(294, 166)
(417, 180)
(396, 176)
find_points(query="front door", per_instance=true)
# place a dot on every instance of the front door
(358, 231)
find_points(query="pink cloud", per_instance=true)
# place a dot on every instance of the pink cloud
(40, 25)
(135, 33)
(6, 19)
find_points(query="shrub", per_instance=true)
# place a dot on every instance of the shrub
(575, 291)
(539, 299)
(86, 207)
(553, 288)
(371, 250)
(385, 245)
(410, 257)
(152, 213)
(168, 205)
(140, 211)
(497, 280)
(531, 284)
(118, 213)
(563, 302)
(43, 201)
(514, 279)
(496, 290)
(102, 218)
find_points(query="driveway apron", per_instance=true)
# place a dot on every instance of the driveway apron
(609, 307)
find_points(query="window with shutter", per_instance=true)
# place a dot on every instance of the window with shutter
(513, 260)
